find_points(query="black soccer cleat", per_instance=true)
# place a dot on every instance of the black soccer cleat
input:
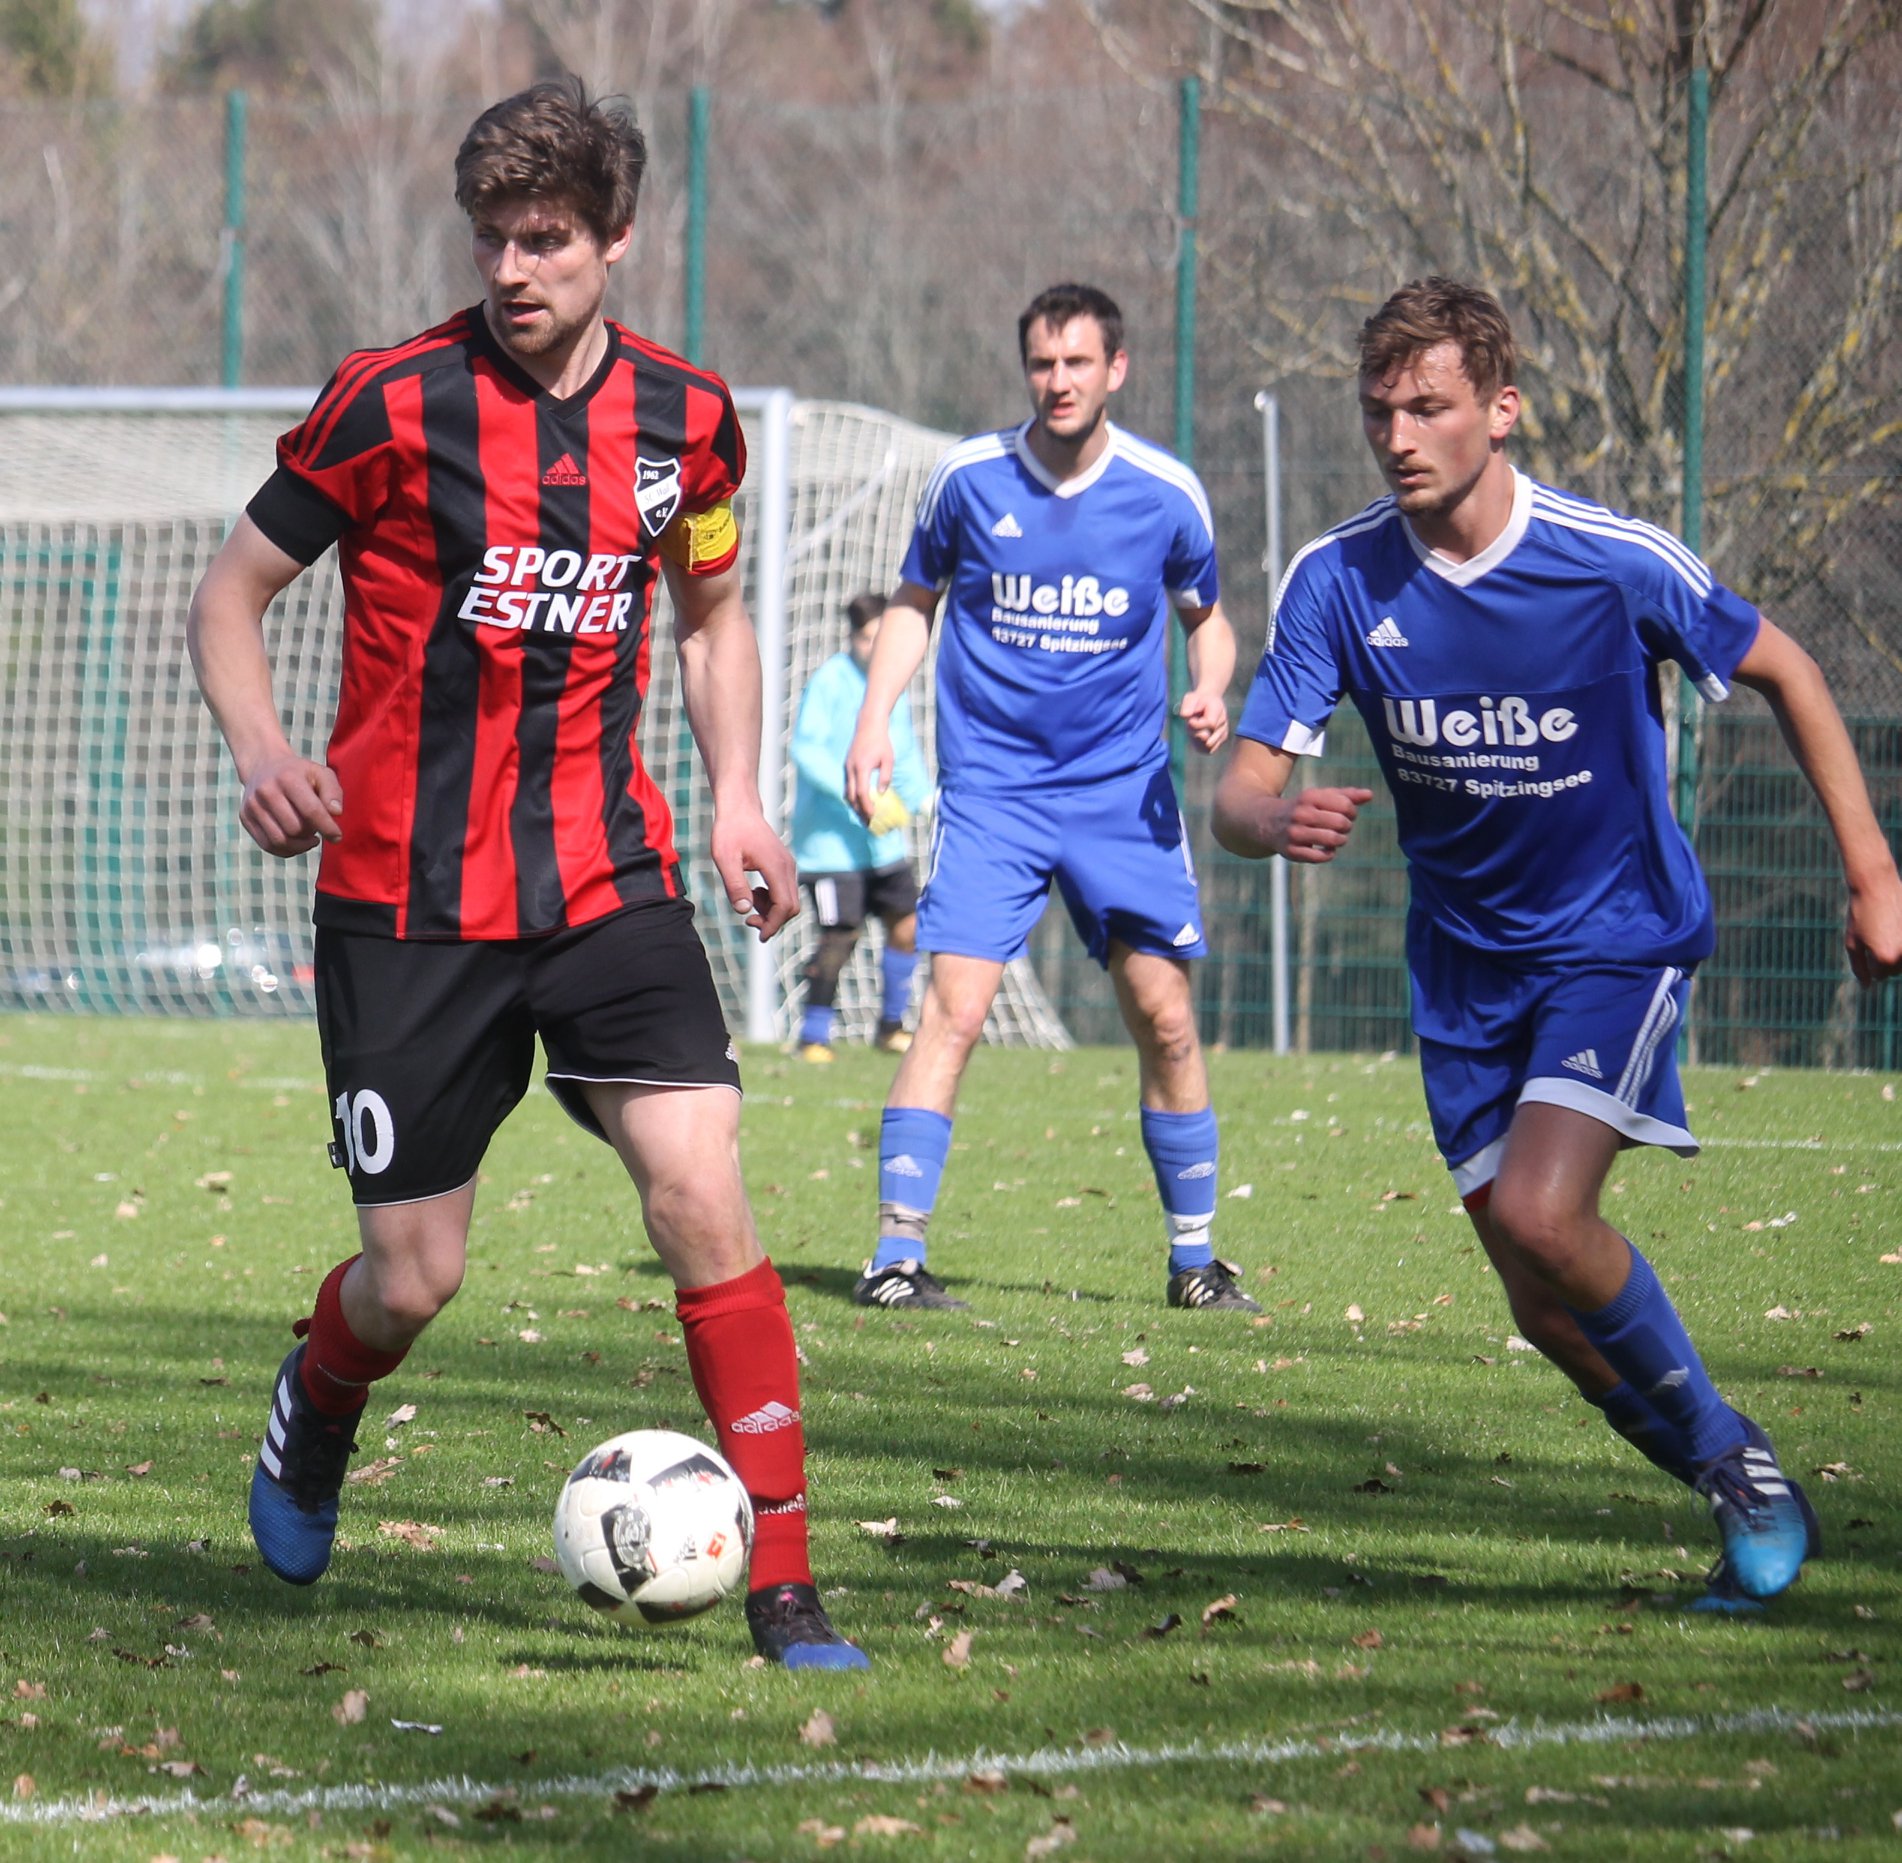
(1210, 1286)
(904, 1284)
(298, 1476)
(790, 1627)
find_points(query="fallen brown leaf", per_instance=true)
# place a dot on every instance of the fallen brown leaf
(1622, 1691)
(1220, 1610)
(823, 1834)
(349, 1712)
(881, 1826)
(818, 1730)
(957, 1653)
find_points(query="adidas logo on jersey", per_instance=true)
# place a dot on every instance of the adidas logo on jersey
(1584, 1062)
(1007, 526)
(765, 1420)
(565, 472)
(1387, 634)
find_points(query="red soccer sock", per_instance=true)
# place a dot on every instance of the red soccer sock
(338, 1367)
(740, 1351)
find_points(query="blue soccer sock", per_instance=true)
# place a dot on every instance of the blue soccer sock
(817, 1025)
(896, 970)
(1640, 1336)
(913, 1143)
(1636, 1419)
(1184, 1149)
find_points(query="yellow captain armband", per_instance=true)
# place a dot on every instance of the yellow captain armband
(699, 540)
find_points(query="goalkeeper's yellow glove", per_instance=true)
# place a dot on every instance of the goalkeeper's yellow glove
(888, 813)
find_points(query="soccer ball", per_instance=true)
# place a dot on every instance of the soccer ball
(652, 1527)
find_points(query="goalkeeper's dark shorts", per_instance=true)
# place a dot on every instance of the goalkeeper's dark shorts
(429, 1046)
(844, 901)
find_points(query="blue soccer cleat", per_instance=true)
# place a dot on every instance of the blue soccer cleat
(1722, 1592)
(298, 1477)
(790, 1627)
(1767, 1523)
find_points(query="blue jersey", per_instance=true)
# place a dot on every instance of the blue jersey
(1053, 666)
(1513, 703)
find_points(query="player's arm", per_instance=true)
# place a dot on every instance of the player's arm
(290, 803)
(1211, 656)
(1798, 695)
(904, 635)
(720, 686)
(1253, 818)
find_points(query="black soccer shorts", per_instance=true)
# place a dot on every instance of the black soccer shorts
(429, 1046)
(844, 901)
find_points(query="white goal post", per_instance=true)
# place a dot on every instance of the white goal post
(126, 883)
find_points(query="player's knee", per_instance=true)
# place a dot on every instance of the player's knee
(827, 963)
(412, 1298)
(1544, 1230)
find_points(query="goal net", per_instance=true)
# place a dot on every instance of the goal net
(126, 883)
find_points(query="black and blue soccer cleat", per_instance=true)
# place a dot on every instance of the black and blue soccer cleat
(1212, 1285)
(1768, 1525)
(298, 1477)
(790, 1627)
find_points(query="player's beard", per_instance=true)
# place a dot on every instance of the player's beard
(549, 332)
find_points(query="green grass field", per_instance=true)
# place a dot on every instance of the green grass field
(1358, 1579)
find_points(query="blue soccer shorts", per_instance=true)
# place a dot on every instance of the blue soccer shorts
(1601, 1039)
(1117, 850)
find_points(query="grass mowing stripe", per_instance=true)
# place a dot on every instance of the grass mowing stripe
(1044, 1763)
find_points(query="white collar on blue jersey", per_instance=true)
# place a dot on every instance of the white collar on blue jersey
(1495, 553)
(1064, 488)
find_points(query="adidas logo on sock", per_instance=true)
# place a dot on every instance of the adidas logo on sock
(1007, 526)
(1387, 634)
(1202, 1169)
(565, 472)
(905, 1165)
(765, 1420)
(1584, 1062)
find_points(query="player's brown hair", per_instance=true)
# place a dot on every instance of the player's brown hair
(1062, 304)
(862, 610)
(1435, 310)
(553, 142)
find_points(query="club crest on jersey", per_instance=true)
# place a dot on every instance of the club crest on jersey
(656, 492)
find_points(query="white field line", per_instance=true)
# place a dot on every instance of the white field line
(1044, 1763)
(152, 1077)
(1807, 1144)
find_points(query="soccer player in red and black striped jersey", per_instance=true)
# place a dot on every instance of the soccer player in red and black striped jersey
(504, 492)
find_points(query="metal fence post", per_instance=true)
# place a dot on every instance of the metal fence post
(1188, 189)
(231, 241)
(693, 308)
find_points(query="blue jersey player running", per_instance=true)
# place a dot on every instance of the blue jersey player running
(1503, 641)
(1060, 548)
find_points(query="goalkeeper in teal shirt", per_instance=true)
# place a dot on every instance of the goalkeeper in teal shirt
(852, 869)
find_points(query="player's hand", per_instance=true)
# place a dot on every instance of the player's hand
(1873, 936)
(290, 804)
(868, 766)
(1206, 715)
(888, 814)
(1319, 822)
(742, 845)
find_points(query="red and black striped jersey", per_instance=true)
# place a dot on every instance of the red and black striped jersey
(499, 550)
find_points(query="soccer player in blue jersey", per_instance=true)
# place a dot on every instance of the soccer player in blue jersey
(852, 869)
(1503, 642)
(1059, 548)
